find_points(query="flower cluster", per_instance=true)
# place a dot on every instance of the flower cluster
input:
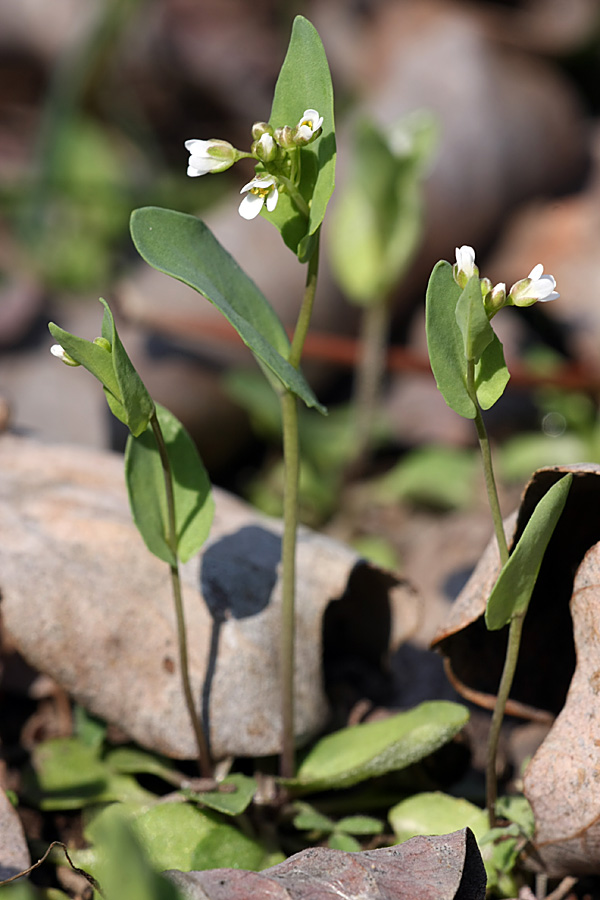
(536, 287)
(276, 151)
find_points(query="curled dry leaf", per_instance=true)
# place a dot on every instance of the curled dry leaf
(85, 602)
(558, 671)
(447, 867)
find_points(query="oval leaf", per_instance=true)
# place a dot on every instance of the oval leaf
(184, 247)
(513, 589)
(194, 506)
(436, 813)
(472, 320)
(491, 374)
(445, 341)
(304, 82)
(365, 751)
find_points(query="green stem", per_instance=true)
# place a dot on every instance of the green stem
(508, 673)
(375, 325)
(204, 762)
(296, 196)
(291, 461)
(516, 624)
(289, 414)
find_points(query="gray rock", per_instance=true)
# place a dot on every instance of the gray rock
(86, 603)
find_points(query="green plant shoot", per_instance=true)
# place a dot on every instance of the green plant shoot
(294, 154)
(168, 487)
(467, 361)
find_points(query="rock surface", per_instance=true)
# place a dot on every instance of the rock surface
(85, 602)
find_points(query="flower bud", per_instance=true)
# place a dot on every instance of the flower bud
(495, 298)
(214, 155)
(465, 267)
(285, 137)
(104, 343)
(265, 148)
(57, 350)
(536, 286)
(260, 128)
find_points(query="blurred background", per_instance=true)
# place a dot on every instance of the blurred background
(96, 100)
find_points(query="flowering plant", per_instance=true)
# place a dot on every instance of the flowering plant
(468, 364)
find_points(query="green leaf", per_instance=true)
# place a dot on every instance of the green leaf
(359, 825)
(133, 761)
(135, 399)
(377, 220)
(341, 841)
(517, 808)
(304, 82)
(436, 813)
(184, 247)
(232, 804)
(128, 399)
(472, 320)
(194, 506)
(71, 775)
(121, 863)
(365, 751)
(445, 342)
(308, 818)
(436, 476)
(512, 592)
(491, 374)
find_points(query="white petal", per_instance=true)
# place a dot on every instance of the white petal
(57, 350)
(311, 115)
(196, 146)
(204, 164)
(272, 199)
(536, 272)
(251, 205)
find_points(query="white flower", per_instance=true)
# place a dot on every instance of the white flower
(308, 126)
(209, 156)
(57, 350)
(464, 267)
(536, 287)
(261, 190)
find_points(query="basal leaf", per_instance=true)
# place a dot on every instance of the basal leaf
(184, 247)
(445, 341)
(436, 813)
(513, 589)
(304, 82)
(234, 803)
(194, 506)
(365, 751)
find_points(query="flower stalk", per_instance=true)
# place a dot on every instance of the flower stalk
(291, 462)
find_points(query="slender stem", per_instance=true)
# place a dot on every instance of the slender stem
(375, 326)
(204, 762)
(291, 461)
(486, 457)
(289, 412)
(510, 664)
(516, 625)
(306, 307)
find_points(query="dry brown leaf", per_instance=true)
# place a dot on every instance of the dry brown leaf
(447, 867)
